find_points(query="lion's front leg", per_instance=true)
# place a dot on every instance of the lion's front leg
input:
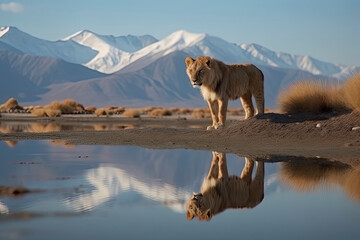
(214, 109)
(223, 104)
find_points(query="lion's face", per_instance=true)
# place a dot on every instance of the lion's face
(198, 70)
(197, 207)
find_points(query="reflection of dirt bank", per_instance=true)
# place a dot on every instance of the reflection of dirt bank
(277, 134)
(14, 191)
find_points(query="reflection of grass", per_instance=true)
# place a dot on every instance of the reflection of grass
(317, 97)
(317, 174)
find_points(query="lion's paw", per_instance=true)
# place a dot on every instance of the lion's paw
(210, 128)
(219, 127)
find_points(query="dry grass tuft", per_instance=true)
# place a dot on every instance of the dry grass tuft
(235, 112)
(131, 113)
(310, 97)
(11, 104)
(45, 112)
(351, 92)
(67, 106)
(102, 112)
(106, 111)
(90, 109)
(201, 113)
(159, 112)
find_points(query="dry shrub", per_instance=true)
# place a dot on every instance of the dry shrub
(66, 106)
(201, 113)
(109, 111)
(45, 112)
(235, 112)
(118, 110)
(131, 113)
(351, 92)
(102, 112)
(184, 111)
(310, 97)
(90, 109)
(159, 112)
(10, 104)
(146, 110)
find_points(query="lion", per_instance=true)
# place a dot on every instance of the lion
(220, 191)
(219, 82)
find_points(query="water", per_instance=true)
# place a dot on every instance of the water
(121, 192)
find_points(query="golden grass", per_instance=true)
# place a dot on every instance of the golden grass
(235, 112)
(45, 112)
(67, 106)
(10, 104)
(159, 112)
(131, 113)
(351, 92)
(201, 113)
(310, 97)
(90, 109)
(106, 111)
(102, 112)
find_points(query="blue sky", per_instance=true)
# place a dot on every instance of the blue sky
(325, 29)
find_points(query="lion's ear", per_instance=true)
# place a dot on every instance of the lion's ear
(189, 61)
(189, 215)
(205, 60)
(208, 62)
(208, 215)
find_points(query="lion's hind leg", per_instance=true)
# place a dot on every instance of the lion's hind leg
(260, 101)
(247, 104)
(246, 173)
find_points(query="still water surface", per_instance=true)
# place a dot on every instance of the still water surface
(122, 192)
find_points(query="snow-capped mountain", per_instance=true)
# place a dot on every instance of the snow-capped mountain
(108, 54)
(292, 61)
(113, 52)
(69, 51)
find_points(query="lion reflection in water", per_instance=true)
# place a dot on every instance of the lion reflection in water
(220, 191)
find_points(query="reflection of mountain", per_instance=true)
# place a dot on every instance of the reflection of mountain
(3, 209)
(110, 182)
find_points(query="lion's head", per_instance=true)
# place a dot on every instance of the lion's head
(199, 70)
(198, 207)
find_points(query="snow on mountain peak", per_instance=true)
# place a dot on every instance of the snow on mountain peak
(4, 30)
(183, 36)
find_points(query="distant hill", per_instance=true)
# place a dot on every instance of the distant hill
(28, 76)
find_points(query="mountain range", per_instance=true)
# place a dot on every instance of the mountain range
(105, 70)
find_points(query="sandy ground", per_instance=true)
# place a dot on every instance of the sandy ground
(269, 136)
